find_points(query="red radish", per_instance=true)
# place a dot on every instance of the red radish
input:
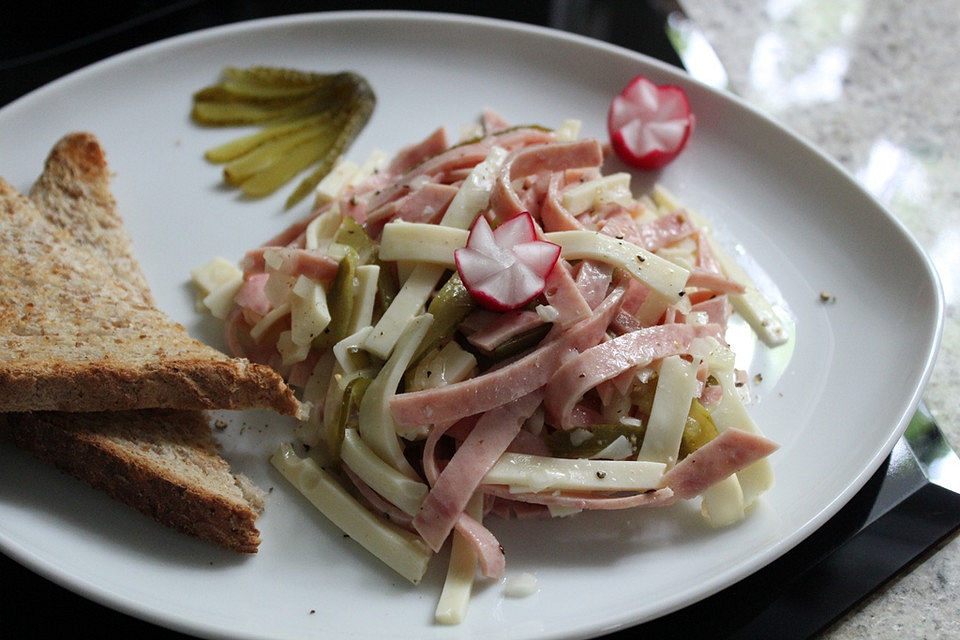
(649, 125)
(505, 268)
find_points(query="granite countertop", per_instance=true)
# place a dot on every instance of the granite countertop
(876, 86)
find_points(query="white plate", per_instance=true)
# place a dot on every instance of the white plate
(837, 409)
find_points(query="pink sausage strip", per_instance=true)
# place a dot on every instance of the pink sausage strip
(252, 294)
(536, 159)
(503, 327)
(426, 204)
(593, 280)
(293, 262)
(493, 433)
(409, 157)
(606, 361)
(553, 215)
(704, 279)
(662, 232)
(513, 381)
(728, 453)
(489, 552)
(562, 293)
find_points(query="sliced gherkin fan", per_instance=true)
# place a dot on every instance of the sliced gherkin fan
(307, 119)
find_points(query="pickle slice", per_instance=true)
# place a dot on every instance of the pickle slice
(340, 301)
(449, 307)
(346, 413)
(308, 118)
(271, 178)
(236, 148)
(561, 444)
(359, 111)
(353, 235)
(242, 113)
(265, 156)
(276, 77)
(698, 430)
(521, 342)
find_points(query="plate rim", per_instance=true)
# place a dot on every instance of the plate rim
(156, 615)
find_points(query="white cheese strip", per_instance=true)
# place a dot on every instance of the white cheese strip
(309, 429)
(275, 314)
(321, 229)
(676, 386)
(365, 297)
(752, 305)
(451, 364)
(290, 351)
(220, 300)
(522, 472)
(375, 163)
(722, 504)
(568, 131)
(375, 420)
(214, 274)
(612, 188)
(398, 489)
(422, 242)
(278, 285)
(619, 449)
(455, 595)
(400, 550)
(348, 351)
(730, 413)
(334, 183)
(472, 197)
(660, 275)
(309, 314)
(408, 302)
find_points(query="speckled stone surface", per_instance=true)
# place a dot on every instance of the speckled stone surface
(877, 86)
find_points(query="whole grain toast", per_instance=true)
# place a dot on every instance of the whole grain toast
(75, 337)
(163, 463)
(73, 193)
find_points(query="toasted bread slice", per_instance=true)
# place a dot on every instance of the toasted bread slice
(161, 462)
(75, 339)
(73, 193)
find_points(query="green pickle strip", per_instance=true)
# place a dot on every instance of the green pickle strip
(516, 344)
(340, 301)
(353, 235)
(698, 430)
(387, 287)
(241, 146)
(449, 307)
(266, 156)
(243, 113)
(561, 446)
(358, 114)
(352, 396)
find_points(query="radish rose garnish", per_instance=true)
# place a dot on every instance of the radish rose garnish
(506, 267)
(649, 125)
